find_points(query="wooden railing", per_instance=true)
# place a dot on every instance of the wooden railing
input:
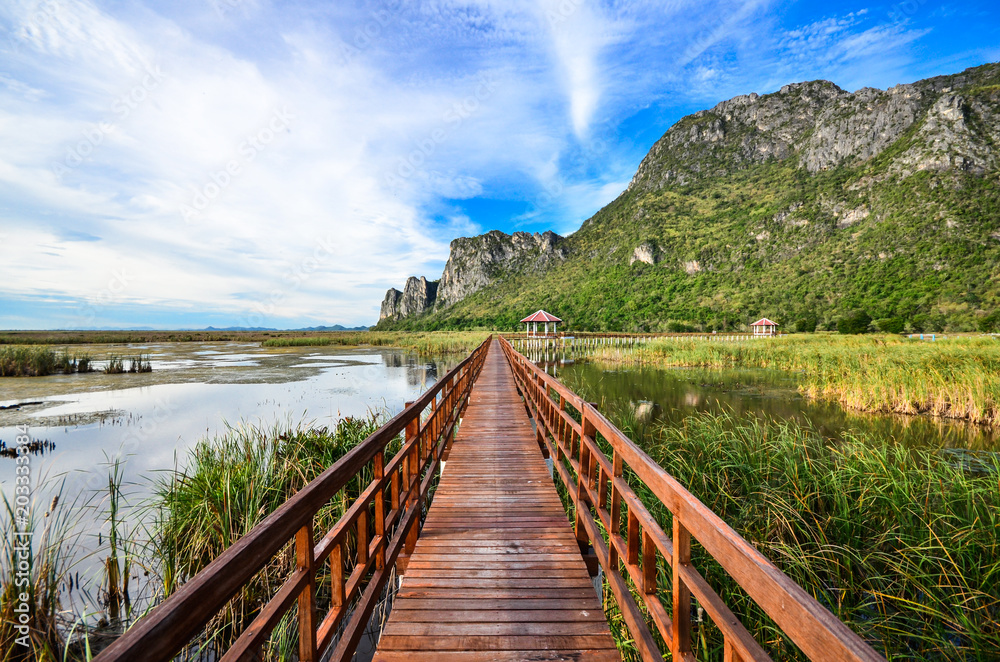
(380, 534)
(596, 484)
(694, 335)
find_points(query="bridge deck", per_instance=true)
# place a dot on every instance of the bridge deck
(496, 573)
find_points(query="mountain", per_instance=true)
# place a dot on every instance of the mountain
(806, 206)
(335, 327)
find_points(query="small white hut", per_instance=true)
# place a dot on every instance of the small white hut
(531, 322)
(764, 327)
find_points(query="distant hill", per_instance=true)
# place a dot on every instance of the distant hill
(806, 205)
(335, 327)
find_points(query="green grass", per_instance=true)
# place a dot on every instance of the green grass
(902, 545)
(954, 378)
(229, 484)
(50, 561)
(36, 361)
(442, 342)
(139, 363)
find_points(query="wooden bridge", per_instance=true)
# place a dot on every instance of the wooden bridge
(493, 569)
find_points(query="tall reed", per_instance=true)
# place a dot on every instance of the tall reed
(35, 361)
(902, 545)
(116, 364)
(229, 485)
(436, 342)
(954, 377)
(50, 558)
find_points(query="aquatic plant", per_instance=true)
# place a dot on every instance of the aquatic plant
(902, 545)
(115, 365)
(953, 377)
(229, 484)
(35, 361)
(438, 342)
(36, 557)
(140, 363)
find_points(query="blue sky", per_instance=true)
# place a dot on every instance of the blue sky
(243, 162)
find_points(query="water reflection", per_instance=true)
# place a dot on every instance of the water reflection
(152, 419)
(669, 395)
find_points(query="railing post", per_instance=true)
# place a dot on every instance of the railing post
(583, 480)
(307, 598)
(682, 595)
(413, 482)
(337, 589)
(616, 504)
(563, 427)
(378, 469)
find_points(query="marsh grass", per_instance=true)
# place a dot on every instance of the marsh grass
(437, 342)
(902, 545)
(954, 378)
(229, 484)
(116, 365)
(50, 561)
(35, 361)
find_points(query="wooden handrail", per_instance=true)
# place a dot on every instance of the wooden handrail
(596, 485)
(511, 335)
(381, 534)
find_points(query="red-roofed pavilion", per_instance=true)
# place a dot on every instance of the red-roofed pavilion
(764, 327)
(540, 316)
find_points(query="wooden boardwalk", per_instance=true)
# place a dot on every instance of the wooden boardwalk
(496, 573)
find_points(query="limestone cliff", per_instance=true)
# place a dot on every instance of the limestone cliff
(819, 126)
(474, 263)
(808, 203)
(417, 297)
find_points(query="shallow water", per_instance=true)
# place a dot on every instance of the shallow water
(670, 394)
(152, 419)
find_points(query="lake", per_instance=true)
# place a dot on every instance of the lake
(151, 420)
(668, 395)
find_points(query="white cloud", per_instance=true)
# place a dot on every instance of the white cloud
(114, 118)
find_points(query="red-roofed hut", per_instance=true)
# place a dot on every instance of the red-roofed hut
(531, 322)
(764, 327)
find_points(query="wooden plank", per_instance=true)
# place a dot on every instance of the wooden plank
(496, 573)
(500, 628)
(498, 642)
(488, 593)
(473, 604)
(602, 655)
(500, 573)
(497, 615)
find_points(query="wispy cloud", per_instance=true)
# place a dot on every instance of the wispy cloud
(317, 144)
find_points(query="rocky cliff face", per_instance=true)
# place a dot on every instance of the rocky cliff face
(808, 203)
(474, 263)
(820, 126)
(417, 297)
(390, 305)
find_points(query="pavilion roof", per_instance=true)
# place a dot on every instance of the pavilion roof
(763, 321)
(541, 316)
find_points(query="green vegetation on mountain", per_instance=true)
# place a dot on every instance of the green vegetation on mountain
(811, 206)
